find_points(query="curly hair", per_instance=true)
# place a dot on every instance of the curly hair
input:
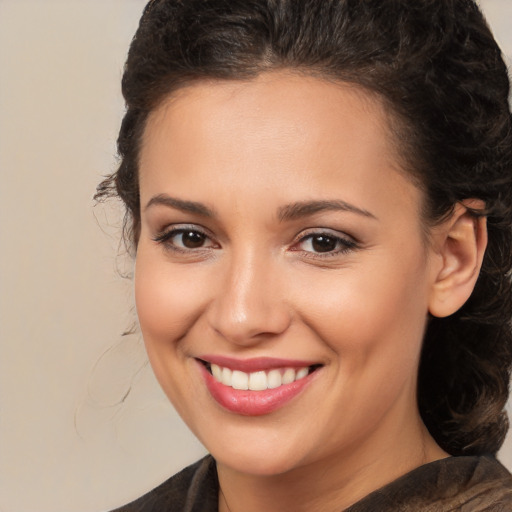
(437, 68)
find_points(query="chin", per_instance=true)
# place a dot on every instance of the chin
(256, 463)
(261, 454)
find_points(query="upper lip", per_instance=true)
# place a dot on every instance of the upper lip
(256, 364)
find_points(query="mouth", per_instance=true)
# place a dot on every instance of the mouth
(259, 380)
(255, 387)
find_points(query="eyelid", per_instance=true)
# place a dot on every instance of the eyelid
(164, 236)
(334, 233)
(348, 242)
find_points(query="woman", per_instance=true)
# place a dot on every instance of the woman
(319, 195)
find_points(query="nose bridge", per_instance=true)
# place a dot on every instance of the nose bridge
(250, 302)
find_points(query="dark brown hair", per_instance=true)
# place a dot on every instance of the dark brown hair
(438, 69)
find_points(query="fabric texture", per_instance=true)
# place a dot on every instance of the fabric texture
(463, 484)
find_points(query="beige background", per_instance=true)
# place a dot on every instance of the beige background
(66, 445)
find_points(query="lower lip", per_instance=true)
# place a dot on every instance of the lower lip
(253, 403)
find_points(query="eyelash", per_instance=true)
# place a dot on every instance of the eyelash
(165, 238)
(345, 245)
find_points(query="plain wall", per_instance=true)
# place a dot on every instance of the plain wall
(66, 445)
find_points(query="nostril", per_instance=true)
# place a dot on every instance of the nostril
(246, 311)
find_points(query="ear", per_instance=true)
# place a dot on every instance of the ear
(459, 247)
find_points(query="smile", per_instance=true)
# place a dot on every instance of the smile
(255, 387)
(258, 381)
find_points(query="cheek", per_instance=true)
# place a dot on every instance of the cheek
(381, 309)
(168, 300)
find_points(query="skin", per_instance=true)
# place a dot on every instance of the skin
(256, 287)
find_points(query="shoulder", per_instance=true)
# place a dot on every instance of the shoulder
(471, 484)
(194, 489)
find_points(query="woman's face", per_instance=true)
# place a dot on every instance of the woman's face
(281, 249)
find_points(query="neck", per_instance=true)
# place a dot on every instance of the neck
(329, 484)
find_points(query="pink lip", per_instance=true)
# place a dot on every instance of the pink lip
(254, 403)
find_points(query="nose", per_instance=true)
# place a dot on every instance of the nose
(250, 304)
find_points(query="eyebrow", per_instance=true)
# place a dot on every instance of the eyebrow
(288, 212)
(180, 204)
(298, 210)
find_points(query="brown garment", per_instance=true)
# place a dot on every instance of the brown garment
(465, 484)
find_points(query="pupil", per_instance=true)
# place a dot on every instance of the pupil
(192, 239)
(323, 243)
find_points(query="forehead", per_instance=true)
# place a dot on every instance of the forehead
(274, 105)
(280, 131)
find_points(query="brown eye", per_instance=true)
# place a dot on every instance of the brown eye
(323, 243)
(184, 239)
(192, 239)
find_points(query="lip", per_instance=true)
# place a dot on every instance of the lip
(253, 403)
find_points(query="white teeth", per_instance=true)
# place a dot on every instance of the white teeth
(239, 380)
(226, 376)
(303, 372)
(274, 379)
(217, 372)
(288, 376)
(257, 381)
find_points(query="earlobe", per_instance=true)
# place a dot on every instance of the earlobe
(460, 246)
